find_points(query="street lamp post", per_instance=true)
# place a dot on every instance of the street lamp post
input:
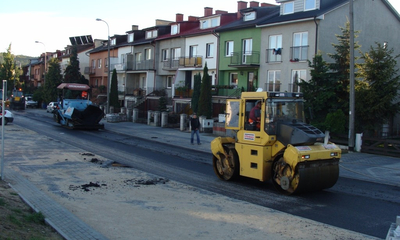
(45, 62)
(352, 93)
(108, 60)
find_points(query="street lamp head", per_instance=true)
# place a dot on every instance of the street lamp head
(98, 19)
(37, 42)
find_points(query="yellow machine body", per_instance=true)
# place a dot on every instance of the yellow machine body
(296, 156)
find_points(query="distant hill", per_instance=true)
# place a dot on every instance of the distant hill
(24, 60)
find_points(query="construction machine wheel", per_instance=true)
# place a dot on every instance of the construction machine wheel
(282, 176)
(307, 176)
(228, 167)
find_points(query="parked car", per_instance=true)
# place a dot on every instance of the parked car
(30, 103)
(9, 116)
(51, 106)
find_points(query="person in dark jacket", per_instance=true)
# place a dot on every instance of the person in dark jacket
(195, 126)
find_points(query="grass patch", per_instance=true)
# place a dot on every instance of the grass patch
(35, 217)
(14, 220)
(2, 202)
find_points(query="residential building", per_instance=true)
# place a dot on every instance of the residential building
(83, 45)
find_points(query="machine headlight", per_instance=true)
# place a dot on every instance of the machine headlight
(334, 154)
(305, 156)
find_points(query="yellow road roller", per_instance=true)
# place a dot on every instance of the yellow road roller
(271, 141)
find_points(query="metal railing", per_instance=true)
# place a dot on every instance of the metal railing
(299, 53)
(274, 55)
(194, 61)
(245, 58)
(171, 64)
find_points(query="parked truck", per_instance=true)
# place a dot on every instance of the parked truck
(277, 146)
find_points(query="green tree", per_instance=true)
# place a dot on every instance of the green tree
(319, 93)
(53, 79)
(8, 70)
(341, 66)
(114, 90)
(205, 101)
(196, 92)
(378, 90)
(72, 72)
(162, 104)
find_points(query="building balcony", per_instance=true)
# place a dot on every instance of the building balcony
(195, 61)
(92, 71)
(170, 64)
(299, 53)
(243, 59)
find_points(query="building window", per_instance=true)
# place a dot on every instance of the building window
(138, 57)
(288, 8)
(297, 76)
(147, 53)
(151, 34)
(130, 37)
(176, 53)
(275, 48)
(164, 55)
(300, 46)
(247, 49)
(113, 41)
(228, 48)
(309, 5)
(106, 62)
(274, 81)
(209, 50)
(192, 51)
(210, 23)
(249, 16)
(93, 63)
(169, 82)
(234, 79)
(99, 63)
(174, 29)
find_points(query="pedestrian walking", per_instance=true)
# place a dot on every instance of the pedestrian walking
(195, 126)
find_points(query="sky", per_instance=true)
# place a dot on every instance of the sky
(52, 23)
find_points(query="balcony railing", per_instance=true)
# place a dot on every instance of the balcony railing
(171, 64)
(274, 55)
(132, 66)
(245, 58)
(195, 61)
(294, 87)
(143, 65)
(92, 70)
(87, 70)
(299, 53)
(273, 87)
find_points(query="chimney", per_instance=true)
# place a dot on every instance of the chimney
(135, 27)
(254, 4)
(220, 12)
(241, 5)
(267, 5)
(208, 11)
(192, 19)
(179, 17)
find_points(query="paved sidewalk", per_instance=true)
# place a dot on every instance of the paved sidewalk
(63, 221)
(367, 167)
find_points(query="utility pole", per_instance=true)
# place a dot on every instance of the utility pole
(352, 98)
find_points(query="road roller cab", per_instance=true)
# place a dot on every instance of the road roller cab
(273, 141)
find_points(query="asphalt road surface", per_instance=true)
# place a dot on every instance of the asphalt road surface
(355, 205)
